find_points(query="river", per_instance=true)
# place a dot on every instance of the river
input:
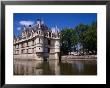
(54, 67)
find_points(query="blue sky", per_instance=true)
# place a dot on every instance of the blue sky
(61, 20)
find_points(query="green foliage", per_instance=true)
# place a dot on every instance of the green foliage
(68, 40)
(86, 35)
(90, 38)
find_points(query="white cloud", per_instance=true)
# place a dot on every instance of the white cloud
(26, 23)
(18, 28)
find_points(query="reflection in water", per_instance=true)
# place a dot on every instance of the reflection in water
(27, 67)
(79, 66)
(54, 67)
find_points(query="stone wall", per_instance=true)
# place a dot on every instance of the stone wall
(85, 57)
(28, 57)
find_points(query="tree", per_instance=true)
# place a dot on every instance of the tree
(80, 31)
(83, 35)
(87, 37)
(90, 38)
(68, 40)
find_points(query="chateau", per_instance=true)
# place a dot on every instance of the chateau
(37, 42)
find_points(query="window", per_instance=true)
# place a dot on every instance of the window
(39, 40)
(47, 34)
(48, 50)
(27, 43)
(52, 35)
(17, 46)
(39, 25)
(49, 42)
(27, 51)
(17, 51)
(33, 42)
(32, 50)
(13, 47)
(22, 51)
(21, 45)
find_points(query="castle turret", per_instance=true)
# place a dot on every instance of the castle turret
(39, 44)
(55, 44)
(39, 40)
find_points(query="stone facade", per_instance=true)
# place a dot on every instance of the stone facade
(37, 42)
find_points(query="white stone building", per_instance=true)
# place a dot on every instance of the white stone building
(37, 42)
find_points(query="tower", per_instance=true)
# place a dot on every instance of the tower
(39, 41)
(55, 44)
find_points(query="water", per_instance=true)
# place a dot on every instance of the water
(54, 67)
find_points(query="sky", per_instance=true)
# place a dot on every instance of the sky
(61, 20)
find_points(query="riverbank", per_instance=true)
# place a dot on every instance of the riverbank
(63, 58)
(85, 57)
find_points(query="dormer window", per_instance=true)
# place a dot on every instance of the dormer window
(52, 35)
